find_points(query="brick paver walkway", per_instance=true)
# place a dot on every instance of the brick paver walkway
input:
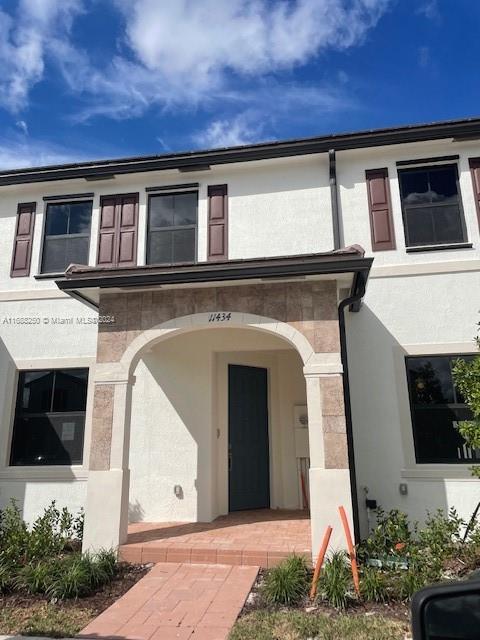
(261, 538)
(178, 601)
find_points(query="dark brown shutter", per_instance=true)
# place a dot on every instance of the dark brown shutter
(106, 237)
(117, 236)
(475, 171)
(22, 245)
(217, 222)
(381, 219)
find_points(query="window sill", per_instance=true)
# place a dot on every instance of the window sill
(440, 247)
(459, 472)
(52, 473)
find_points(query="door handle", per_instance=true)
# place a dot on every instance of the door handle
(229, 460)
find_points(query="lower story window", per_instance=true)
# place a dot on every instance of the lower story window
(437, 407)
(49, 417)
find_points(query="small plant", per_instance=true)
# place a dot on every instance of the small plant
(466, 375)
(72, 578)
(6, 577)
(287, 583)
(374, 585)
(408, 582)
(14, 535)
(392, 536)
(51, 534)
(101, 567)
(34, 577)
(106, 559)
(442, 534)
(335, 581)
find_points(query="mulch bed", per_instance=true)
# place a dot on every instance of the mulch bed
(89, 606)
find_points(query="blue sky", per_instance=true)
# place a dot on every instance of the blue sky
(87, 79)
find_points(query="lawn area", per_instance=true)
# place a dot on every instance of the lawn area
(44, 619)
(299, 625)
(37, 615)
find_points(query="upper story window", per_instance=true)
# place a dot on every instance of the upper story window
(436, 408)
(432, 208)
(67, 235)
(172, 228)
(50, 417)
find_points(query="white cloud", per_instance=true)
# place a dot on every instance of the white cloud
(424, 57)
(230, 132)
(188, 54)
(16, 152)
(24, 42)
(196, 41)
(22, 125)
(269, 105)
(191, 53)
(430, 10)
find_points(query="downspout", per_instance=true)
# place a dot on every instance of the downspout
(332, 164)
(353, 302)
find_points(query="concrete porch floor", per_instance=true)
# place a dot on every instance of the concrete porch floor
(256, 538)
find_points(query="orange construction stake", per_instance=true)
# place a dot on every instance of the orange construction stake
(304, 491)
(321, 556)
(351, 549)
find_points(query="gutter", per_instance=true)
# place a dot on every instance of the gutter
(265, 268)
(467, 129)
(332, 164)
(353, 302)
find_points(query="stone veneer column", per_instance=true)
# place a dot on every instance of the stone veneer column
(329, 472)
(107, 502)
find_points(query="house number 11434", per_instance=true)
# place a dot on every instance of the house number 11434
(219, 317)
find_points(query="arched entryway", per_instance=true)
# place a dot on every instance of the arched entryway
(212, 426)
(115, 395)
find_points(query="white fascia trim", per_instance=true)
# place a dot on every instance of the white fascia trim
(459, 473)
(426, 268)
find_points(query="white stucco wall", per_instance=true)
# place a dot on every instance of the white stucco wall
(276, 207)
(351, 167)
(401, 316)
(47, 344)
(179, 402)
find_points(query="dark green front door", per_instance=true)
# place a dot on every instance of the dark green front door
(248, 459)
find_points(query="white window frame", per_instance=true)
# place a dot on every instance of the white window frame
(44, 472)
(412, 469)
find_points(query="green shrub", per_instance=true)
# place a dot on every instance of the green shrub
(335, 584)
(77, 574)
(34, 577)
(441, 534)
(106, 559)
(100, 567)
(287, 583)
(392, 536)
(374, 585)
(51, 534)
(41, 560)
(407, 582)
(6, 577)
(71, 577)
(14, 536)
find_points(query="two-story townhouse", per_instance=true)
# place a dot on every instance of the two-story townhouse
(266, 326)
